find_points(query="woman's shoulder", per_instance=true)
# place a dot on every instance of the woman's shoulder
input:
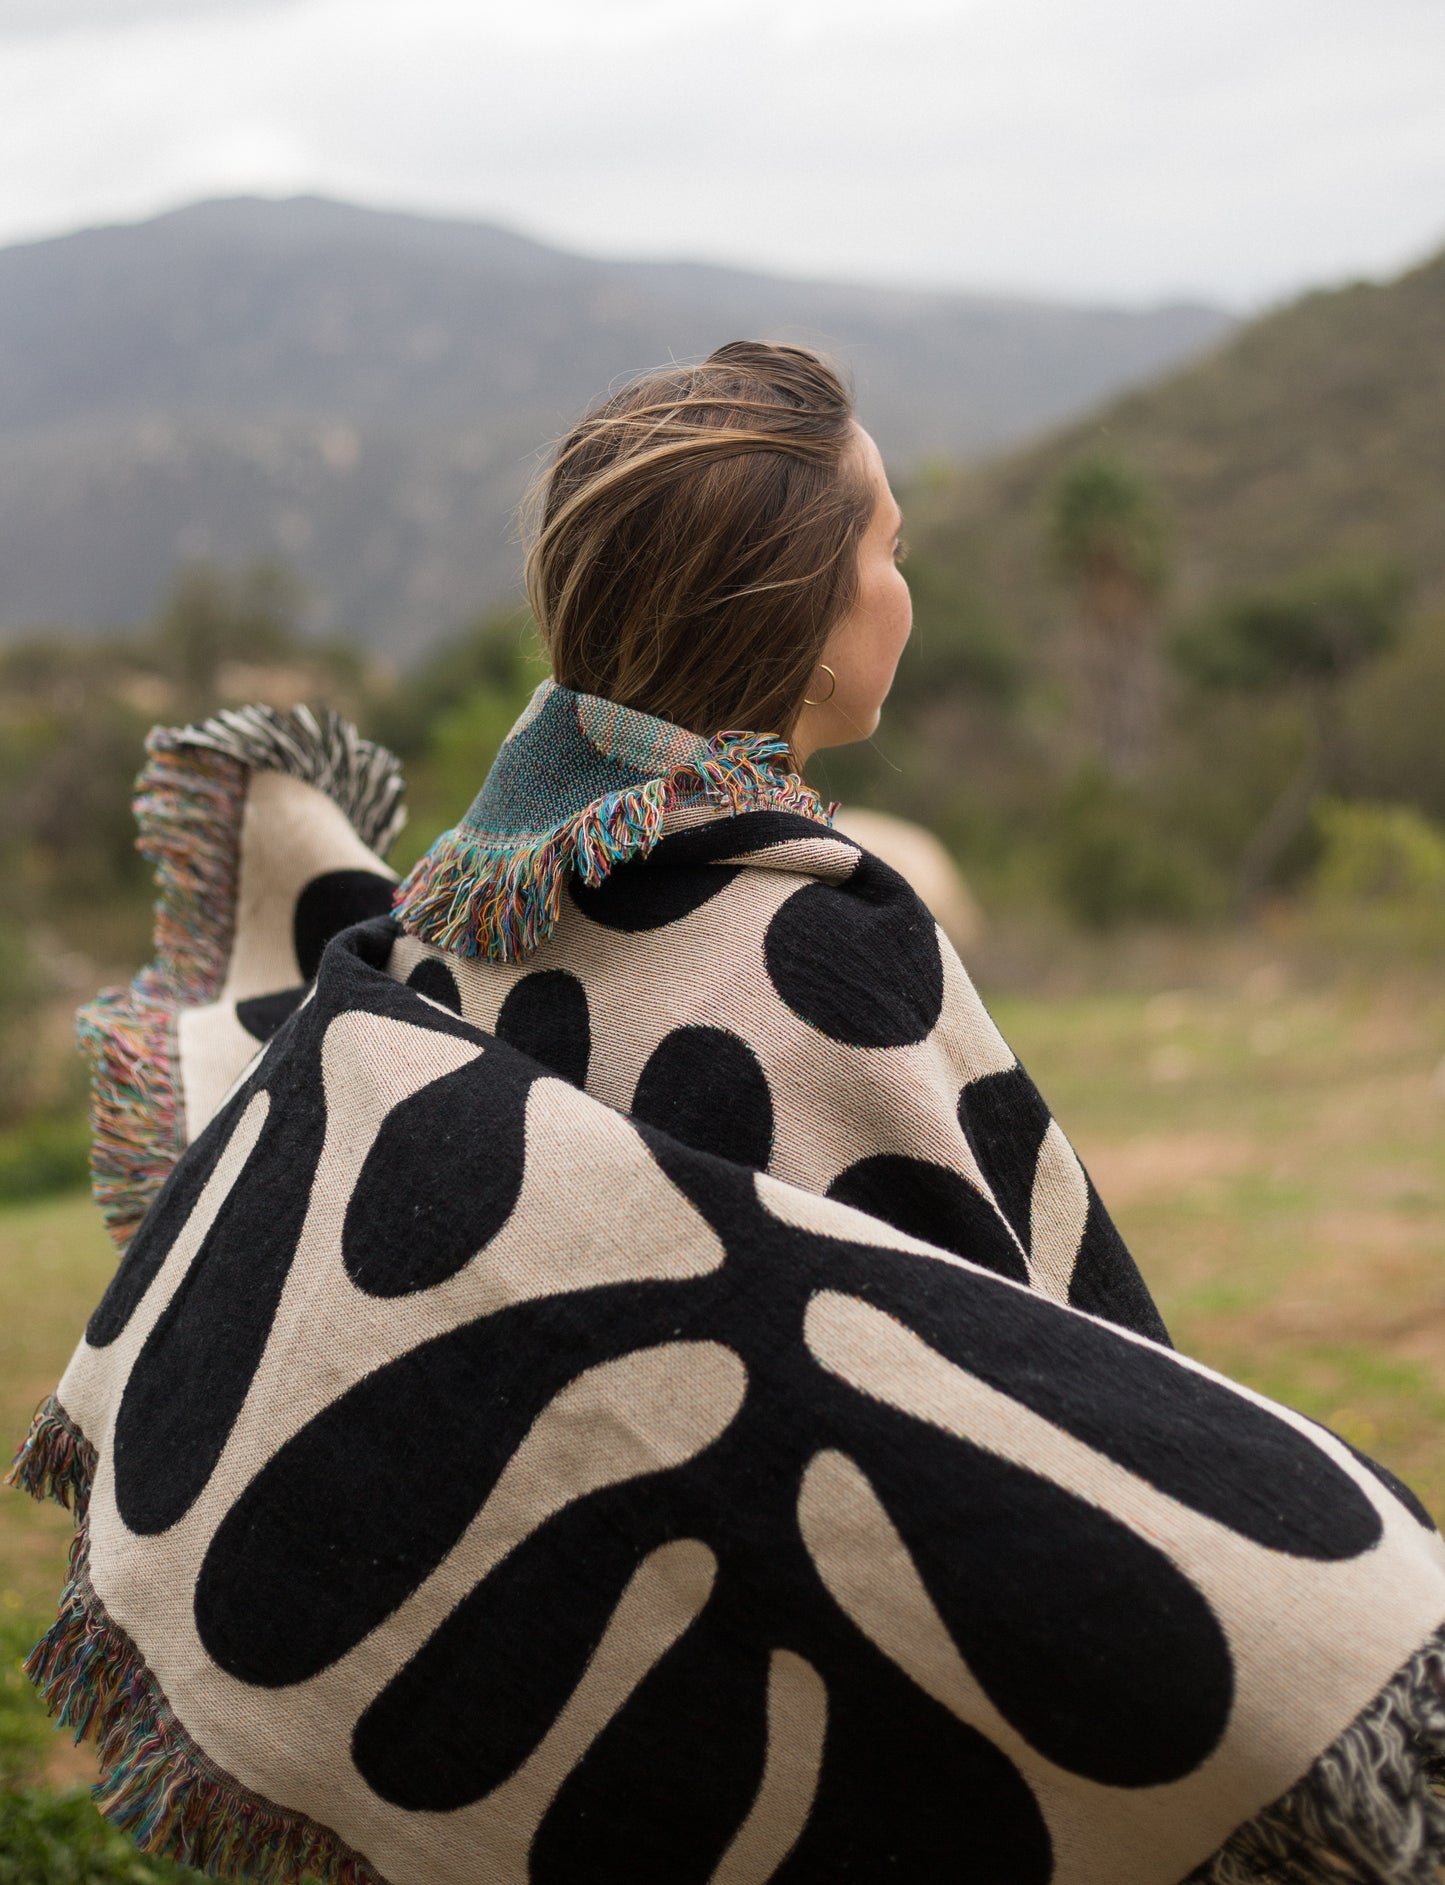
(764, 839)
(847, 944)
(728, 910)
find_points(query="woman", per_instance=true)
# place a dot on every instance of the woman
(718, 548)
(630, 1384)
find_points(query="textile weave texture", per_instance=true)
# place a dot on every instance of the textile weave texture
(667, 1405)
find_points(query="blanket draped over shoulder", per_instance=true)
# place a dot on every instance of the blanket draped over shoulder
(616, 1378)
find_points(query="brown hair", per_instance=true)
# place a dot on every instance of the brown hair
(696, 538)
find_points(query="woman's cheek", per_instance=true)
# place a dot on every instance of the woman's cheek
(902, 618)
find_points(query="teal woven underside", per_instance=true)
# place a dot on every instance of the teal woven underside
(547, 772)
(580, 785)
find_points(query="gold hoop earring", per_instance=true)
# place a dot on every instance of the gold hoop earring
(831, 691)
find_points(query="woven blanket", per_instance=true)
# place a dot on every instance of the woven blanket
(614, 1375)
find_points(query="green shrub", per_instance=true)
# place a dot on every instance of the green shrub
(21, 987)
(1380, 880)
(1380, 854)
(44, 1155)
(24, 1727)
(59, 1839)
(1110, 863)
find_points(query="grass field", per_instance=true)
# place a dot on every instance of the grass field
(1275, 1158)
(1273, 1150)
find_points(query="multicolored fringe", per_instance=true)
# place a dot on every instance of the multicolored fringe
(362, 778)
(188, 806)
(136, 1129)
(477, 895)
(189, 802)
(156, 1784)
(1367, 1813)
(1370, 1811)
(54, 1460)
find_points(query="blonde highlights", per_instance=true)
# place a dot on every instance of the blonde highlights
(695, 540)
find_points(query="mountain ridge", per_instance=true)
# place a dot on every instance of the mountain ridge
(363, 394)
(1311, 434)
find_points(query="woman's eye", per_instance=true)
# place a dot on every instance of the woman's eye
(900, 551)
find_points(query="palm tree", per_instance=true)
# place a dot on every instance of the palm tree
(1107, 542)
(1304, 638)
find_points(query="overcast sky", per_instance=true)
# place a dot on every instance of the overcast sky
(1123, 150)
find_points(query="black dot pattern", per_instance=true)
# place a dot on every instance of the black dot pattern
(684, 871)
(431, 977)
(396, 1241)
(1395, 1487)
(1110, 1712)
(1105, 1282)
(641, 896)
(1004, 1119)
(1100, 1636)
(185, 1390)
(150, 1246)
(638, 1770)
(934, 1204)
(262, 1015)
(706, 1088)
(331, 903)
(857, 1026)
(546, 1017)
(1186, 1433)
(826, 944)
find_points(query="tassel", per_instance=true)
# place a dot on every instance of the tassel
(188, 805)
(54, 1460)
(476, 897)
(189, 802)
(1368, 1812)
(136, 1129)
(155, 1783)
(323, 750)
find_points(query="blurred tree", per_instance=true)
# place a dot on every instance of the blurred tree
(959, 645)
(1107, 542)
(210, 616)
(1394, 751)
(448, 717)
(21, 987)
(1110, 860)
(1305, 638)
(497, 653)
(70, 810)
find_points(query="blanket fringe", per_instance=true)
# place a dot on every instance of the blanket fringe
(156, 1784)
(477, 895)
(322, 749)
(189, 800)
(136, 1129)
(188, 804)
(54, 1460)
(476, 898)
(1369, 1812)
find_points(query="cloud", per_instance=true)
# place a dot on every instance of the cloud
(1085, 148)
(29, 19)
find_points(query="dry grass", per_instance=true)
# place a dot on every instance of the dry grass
(1275, 1158)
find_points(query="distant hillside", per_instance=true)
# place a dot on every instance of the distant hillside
(1318, 430)
(364, 395)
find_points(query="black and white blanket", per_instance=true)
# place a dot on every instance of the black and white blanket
(660, 1401)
